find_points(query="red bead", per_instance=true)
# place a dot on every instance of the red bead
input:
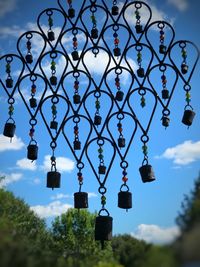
(75, 44)
(76, 132)
(33, 90)
(124, 179)
(120, 130)
(80, 178)
(116, 41)
(117, 84)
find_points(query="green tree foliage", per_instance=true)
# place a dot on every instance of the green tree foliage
(190, 214)
(187, 246)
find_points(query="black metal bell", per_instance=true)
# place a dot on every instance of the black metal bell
(102, 169)
(9, 129)
(94, 33)
(165, 94)
(188, 117)
(75, 55)
(147, 173)
(165, 121)
(115, 10)
(80, 200)
(117, 51)
(71, 13)
(103, 228)
(76, 99)
(184, 68)
(162, 49)
(121, 142)
(138, 28)
(97, 119)
(119, 95)
(51, 36)
(32, 152)
(77, 145)
(125, 200)
(140, 72)
(53, 179)
(29, 58)
(33, 102)
(53, 80)
(9, 83)
(54, 125)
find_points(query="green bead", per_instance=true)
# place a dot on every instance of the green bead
(100, 150)
(144, 148)
(137, 12)
(50, 22)
(100, 156)
(10, 113)
(11, 108)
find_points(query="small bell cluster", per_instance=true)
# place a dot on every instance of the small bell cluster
(162, 47)
(115, 8)
(165, 91)
(97, 117)
(33, 100)
(184, 66)
(53, 78)
(50, 33)
(138, 26)
(29, 56)
(9, 80)
(75, 55)
(94, 31)
(121, 139)
(77, 143)
(102, 167)
(76, 96)
(54, 123)
(71, 10)
(140, 71)
(116, 50)
(120, 94)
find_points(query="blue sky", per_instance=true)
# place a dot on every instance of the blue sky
(174, 153)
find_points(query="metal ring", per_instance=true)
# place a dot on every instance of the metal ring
(115, 27)
(55, 99)
(144, 138)
(33, 78)
(75, 31)
(76, 119)
(32, 121)
(162, 68)
(120, 116)
(142, 91)
(53, 55)
(124, 164)
(76, 74)
(166, 112)
(29, 35)
(102, 190)
(161, 25)
(97, 94)
(11, 101)
(138, 5)
(145, 161)
(53, 144)
(182, 44)
(187, 87)
(138, 47)
(95, 51)
(124, 185)
(100, 142)
(49, 12)
(118, 71)
(93, 8)
(80, 165)
(101, 210)
(9, 59)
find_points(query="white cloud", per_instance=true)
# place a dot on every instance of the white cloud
(60, 196)
(26, 164)
(55, 208)
(62, 164)
(156, 234)
(5, 143)
(183, 154)
(91, 194)
(37, 181)
(181, 5)
(7, 6)
(9, 179)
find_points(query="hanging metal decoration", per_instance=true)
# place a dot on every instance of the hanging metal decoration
(121, 33)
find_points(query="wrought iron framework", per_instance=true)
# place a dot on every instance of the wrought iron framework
(123, 36)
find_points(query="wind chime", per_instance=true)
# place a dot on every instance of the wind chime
(93, 36)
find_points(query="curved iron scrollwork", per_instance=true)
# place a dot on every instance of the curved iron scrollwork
(122, 36)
